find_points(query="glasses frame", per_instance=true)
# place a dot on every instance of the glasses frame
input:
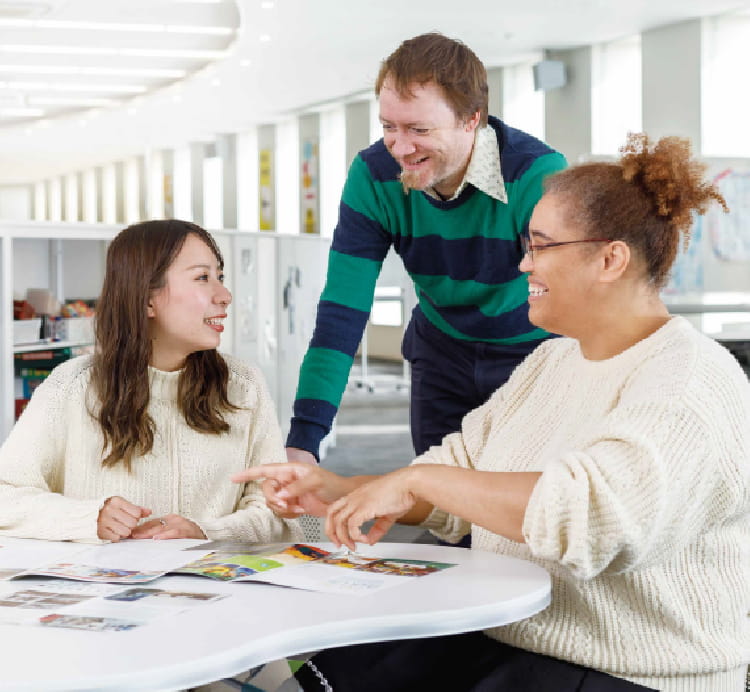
(529, 248)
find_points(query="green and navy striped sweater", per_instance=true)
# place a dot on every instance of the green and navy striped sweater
(462, 255)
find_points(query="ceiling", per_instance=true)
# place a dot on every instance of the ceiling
(204, 67)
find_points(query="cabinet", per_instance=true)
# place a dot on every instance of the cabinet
(275, 280)
(67, 259)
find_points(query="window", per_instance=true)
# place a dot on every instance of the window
(725, 99)
(615, 93)
(522, 106)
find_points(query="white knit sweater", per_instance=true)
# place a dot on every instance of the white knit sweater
(642, 512)
(52, 483)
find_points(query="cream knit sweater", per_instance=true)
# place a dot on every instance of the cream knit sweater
(52, 483)
(642, 512)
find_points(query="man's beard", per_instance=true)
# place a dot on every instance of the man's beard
(424, 180)
(411, 181)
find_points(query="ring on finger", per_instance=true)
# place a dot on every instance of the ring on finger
(163, 522)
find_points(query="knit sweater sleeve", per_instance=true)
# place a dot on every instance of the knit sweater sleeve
(32, 462)
(360, 244)
(657, 473)
(464, 448)
(253, 520)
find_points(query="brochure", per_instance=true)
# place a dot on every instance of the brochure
(308, 567)
(93, 607)
(136, 562)
(126, 562)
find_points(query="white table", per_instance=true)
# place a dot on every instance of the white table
(260, 623)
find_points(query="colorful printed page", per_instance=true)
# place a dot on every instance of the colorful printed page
(127, 562)
(304, 566)
(92, 607)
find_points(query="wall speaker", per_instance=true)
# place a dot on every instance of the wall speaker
(549, 74)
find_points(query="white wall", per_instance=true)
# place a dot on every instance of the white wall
(15, 202)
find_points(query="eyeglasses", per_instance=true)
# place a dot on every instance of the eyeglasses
(530, 248)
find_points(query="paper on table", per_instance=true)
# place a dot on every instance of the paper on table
(99, 607)
(127, 562)
(307, 567)
(19, 555)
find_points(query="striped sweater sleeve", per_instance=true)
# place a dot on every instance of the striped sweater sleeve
(360, 244)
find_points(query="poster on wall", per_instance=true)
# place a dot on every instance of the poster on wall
(168, 196)
(267, 220)
(686, 275)
(309, 187)
(730, 239)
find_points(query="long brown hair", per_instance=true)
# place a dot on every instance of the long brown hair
(450, 64)
(137, 263)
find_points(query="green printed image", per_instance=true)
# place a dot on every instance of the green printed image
(226, 566)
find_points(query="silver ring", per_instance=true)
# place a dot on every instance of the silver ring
(162, 522)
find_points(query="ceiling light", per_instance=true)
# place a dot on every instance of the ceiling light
(104, 71)
(71, 101)
(116, 26)
(57, 86)
(50, 49)
(21, 112)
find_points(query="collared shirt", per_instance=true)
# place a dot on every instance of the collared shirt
(483, 171)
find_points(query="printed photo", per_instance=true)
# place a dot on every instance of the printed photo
(84, 622)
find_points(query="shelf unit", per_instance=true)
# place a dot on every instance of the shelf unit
(276, 280)
(47, 346)
(54, 235)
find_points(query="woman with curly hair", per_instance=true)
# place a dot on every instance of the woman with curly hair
(137, 440)
(617, 457)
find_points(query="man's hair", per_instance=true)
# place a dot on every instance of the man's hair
(450, 64)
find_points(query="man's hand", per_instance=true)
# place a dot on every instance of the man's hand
(169, 526)
(118, 518)
(298, 488)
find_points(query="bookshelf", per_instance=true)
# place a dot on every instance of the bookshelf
(276, 280)
(67, 259)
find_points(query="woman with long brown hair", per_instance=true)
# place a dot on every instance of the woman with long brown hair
(137, 441)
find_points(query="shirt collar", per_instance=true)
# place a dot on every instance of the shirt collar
(483, 171)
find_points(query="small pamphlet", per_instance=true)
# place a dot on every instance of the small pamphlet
(126, 562)
(92, 607)
(308, 567)
(136, 562)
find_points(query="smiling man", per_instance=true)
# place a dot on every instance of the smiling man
(451, 190)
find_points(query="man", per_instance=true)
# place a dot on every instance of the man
(452, 192)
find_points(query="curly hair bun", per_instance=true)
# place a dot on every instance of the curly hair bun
(669, 176)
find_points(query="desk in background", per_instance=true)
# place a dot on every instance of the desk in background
(722, 316)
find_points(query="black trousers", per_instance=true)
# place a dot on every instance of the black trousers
(449, 378)
(470, 662)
